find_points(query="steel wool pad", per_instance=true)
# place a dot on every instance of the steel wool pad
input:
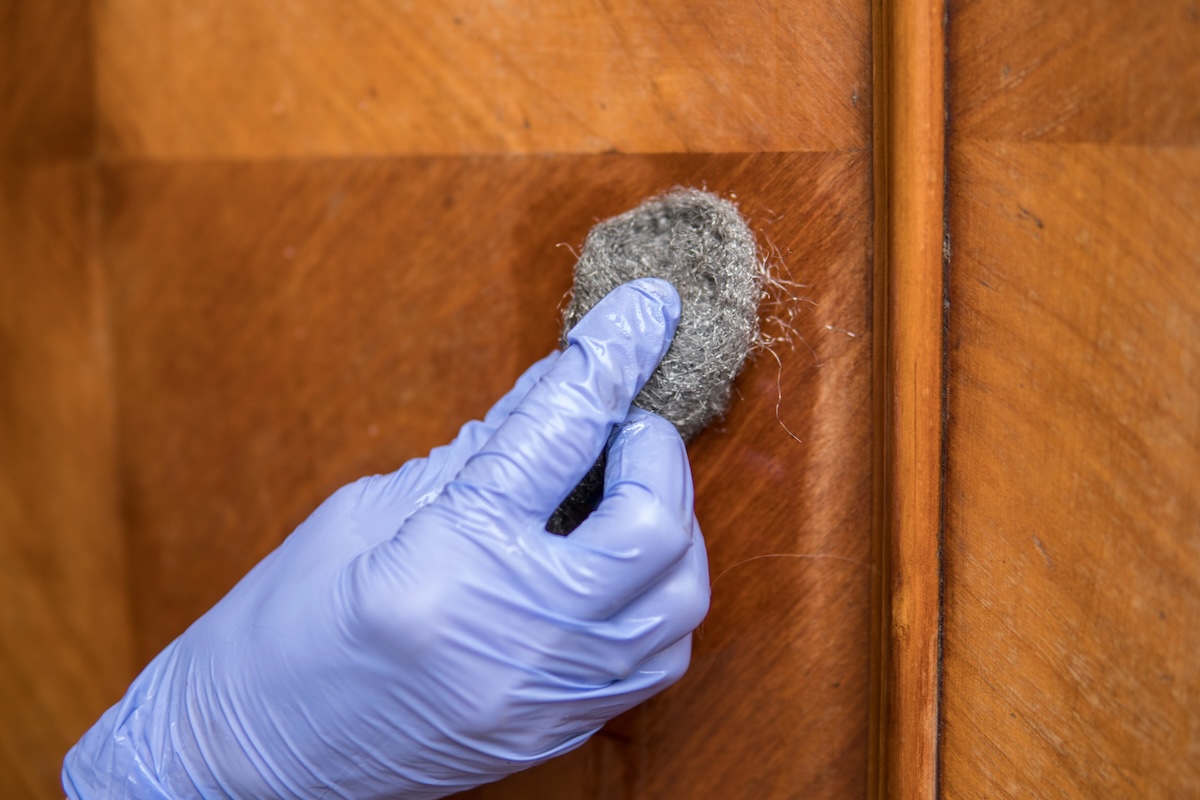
(699, 243)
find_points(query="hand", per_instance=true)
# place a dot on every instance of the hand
(421, 633)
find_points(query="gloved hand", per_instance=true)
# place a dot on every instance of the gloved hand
(421, 633)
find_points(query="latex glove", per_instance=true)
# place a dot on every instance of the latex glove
(421, 633)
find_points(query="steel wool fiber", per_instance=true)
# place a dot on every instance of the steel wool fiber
(699, 243)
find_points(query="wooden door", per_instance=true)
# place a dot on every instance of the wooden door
(249, 254)
(311, 239)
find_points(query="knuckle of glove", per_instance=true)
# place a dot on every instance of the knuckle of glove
(689, 602)
(617, 658)
(621, 666)
(676, 665)
(666, 530)
(412, 623)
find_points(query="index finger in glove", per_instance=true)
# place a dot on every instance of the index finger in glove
(553, 436)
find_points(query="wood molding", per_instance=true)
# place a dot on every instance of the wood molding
(909, 72)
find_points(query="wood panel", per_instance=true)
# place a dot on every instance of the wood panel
(46, 73)
(1097, 71)
(283, 328)
(206, 325)
(210, 79)
(65, 651)
(65, 633)
(1072, 529)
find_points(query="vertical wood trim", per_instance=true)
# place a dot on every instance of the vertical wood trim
(909, 73)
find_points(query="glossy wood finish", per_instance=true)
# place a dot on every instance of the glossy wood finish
(317, 240)
(1113, 71)
(284, 328)
(64, 627)
(205, 79)
(908, 376)
(65, 635)
(209, 324)
(46, 74)
(1072, 539)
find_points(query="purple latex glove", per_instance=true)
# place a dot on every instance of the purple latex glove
(421, 633)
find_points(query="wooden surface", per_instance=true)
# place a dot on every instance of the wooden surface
(335, 343)
(46, 74)
(1072, 539)
(908, 380)
(65, 648)
(65, 638)
(206, 79)
(309, 243)
(1105, 71)
(249, 255)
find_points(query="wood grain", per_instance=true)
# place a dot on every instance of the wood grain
(1072, 541)
(1102, 70)
(910, 141)
(204, 79)
(283, 328)
(1073, 524)
(208, 324)
(65, 634)
(46, 73)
